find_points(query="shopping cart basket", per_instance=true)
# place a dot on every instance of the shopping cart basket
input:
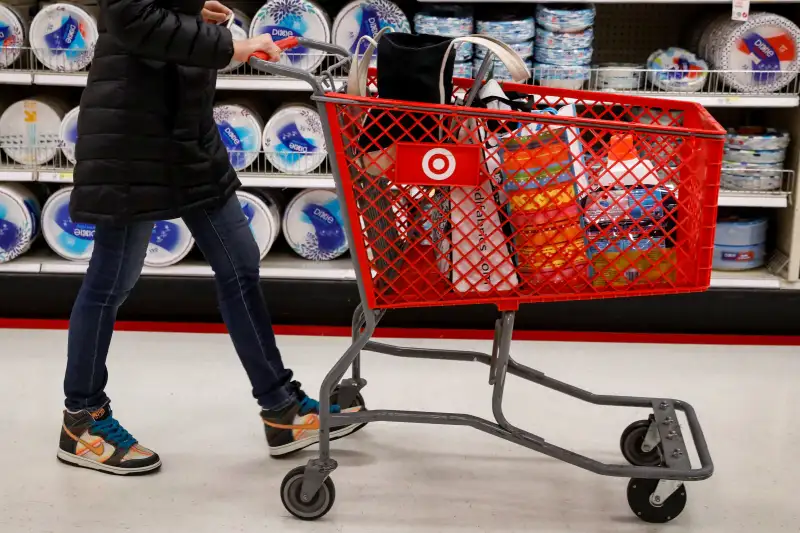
(592, 195)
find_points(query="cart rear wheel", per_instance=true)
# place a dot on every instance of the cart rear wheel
(291, 496)
(630, 443)
(639, 492)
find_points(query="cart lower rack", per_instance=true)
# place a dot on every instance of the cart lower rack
(582, 197)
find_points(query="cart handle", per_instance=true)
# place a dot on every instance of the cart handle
(260, 61)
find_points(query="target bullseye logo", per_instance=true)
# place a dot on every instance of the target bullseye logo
(426, 164)
(438, 164)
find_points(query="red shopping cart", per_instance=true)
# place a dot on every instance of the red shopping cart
(591, 195)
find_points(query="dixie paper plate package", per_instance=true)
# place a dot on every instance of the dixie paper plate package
(263, 211)
(169, 243)
(19, 220)
(63, 37)
(30, 130)
(313, 227)
(294, 18)
(68, 134)
(367, 17)
(12, 35)
(71, 240)
(240, 130)
(293, 139)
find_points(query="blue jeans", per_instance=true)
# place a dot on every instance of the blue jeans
(224, 237)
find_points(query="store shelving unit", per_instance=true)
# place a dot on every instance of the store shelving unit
(638, 28)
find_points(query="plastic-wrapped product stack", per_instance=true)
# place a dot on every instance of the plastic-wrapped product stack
(753, 159)
(618, 77)
(739, 242)
(756, 56)
(262, 208)
(564, 40)
(676, 70)
(449, 21)
(513, 29)
(294, 18)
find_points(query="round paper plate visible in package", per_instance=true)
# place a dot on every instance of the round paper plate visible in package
(313, 227)
(756, 138)
(12, 35)
(63, 37)
(367, 17)
(240, 130)
(71, 240)
(294, 18)
(31, 129)
(170, 242)
(759, 157)
(263, 212)
(68, 134)
(293, 139)
(565, 41)
(523, 49)
(744, 180)
(445, 20)
(759, 55)
(19, 220)
(676, 69)
(568, 58)
(565, 17)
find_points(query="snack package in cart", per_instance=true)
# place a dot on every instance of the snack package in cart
(542, 172)
(630, 220)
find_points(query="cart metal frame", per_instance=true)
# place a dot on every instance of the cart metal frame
(664, 430)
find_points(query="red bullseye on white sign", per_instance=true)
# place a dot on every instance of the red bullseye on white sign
(438, 164)
(423, 164)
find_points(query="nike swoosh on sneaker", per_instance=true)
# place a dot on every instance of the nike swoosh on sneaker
(98, 449)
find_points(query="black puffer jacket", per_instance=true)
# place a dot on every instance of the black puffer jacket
(148, 147)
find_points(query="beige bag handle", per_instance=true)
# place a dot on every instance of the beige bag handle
(511, 59)
(359, 67)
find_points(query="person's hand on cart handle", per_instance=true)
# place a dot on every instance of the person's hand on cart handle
(214, 12)
(261, 46)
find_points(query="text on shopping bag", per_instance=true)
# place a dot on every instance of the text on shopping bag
(438, 164)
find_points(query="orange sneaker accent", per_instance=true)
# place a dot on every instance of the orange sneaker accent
(98, 448)
(314, 424)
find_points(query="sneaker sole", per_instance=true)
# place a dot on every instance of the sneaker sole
(74, 460)
(288, 449)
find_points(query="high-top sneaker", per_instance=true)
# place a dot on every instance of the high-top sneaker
(96, 440)
(297, 427)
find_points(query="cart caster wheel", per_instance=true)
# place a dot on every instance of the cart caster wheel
(357, 402)
(291, 496)
(630, 443)
(639, 493)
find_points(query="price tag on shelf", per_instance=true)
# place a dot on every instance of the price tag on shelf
(741, 10)
(64, 176)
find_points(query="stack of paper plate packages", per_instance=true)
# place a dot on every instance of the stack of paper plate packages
(294, 18)
(19, 220)
(753, 159)
(313, 226)
(263, 210)
(449, 21)
(756, 56)
(512, 28)
(14, 31)
(739, 242)
(30, 130)
(564, 40)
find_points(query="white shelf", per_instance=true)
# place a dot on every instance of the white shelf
(747, 279)
(754, 199)
(277, 266)
(286, 181)
(16, 175)
(289, 266)
(51, 176)
(60, 79)
(10, 77)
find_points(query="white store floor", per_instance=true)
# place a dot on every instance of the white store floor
(186, 396)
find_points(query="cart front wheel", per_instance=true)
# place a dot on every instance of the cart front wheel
(291, 496)
(631, 445)
(640, 492)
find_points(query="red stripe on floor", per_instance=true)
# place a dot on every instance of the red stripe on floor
(425, 333)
